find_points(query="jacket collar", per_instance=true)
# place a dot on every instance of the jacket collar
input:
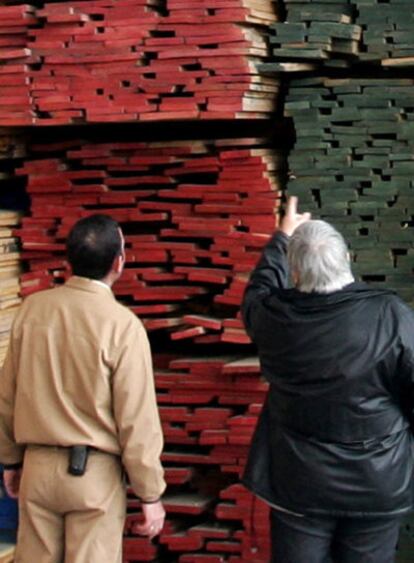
(350, 293)
(86, 284)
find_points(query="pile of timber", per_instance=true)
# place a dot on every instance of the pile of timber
(12, 148)
(106, 61)
(353, 165)
(10, 270)
(314, 34)
(341, 33)
(195, 215)
(388, 32)
(209, 408)
(15, 57)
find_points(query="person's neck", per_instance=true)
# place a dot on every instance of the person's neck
(109, 280)
(339, 284)
(102, 281)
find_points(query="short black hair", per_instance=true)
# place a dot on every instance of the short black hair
(92, 245)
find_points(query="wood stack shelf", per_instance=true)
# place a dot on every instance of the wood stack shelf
(196, 211)
(341, 34)
(195, 215)
(350, 103)
(148, 60)
(352, 164)
(12, 149)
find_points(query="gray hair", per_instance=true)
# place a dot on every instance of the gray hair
(318, 257)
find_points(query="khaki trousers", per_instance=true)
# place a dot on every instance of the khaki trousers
(69, 519)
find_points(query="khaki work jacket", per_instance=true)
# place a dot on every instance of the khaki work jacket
(79, 372)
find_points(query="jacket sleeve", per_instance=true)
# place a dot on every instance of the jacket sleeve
(10, 452)
(271, 272)
(136, 415)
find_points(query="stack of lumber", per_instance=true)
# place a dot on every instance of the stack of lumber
(90, 52)
(209, 408)
(341, 33)
(352, 165)
(314, 35)
(195, 214)
(100, 61)
(388, 32)
(12, 148)
(10, 270)
(15, 57)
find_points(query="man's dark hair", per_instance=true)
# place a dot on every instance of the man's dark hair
(92, 245)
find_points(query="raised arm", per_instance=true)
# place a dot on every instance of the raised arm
(271, 271)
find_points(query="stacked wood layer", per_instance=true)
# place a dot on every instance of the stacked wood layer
(195, 215)
(10, 269)
(352, 165)
(12, 147)
(208, 407)
(342, 34)
(105, 61)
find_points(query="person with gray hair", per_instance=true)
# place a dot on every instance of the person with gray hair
(319, 259)
(333, 450)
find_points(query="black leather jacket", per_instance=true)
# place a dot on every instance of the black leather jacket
(334, 436)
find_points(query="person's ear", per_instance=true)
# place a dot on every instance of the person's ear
(118, 264)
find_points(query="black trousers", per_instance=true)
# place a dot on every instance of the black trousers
(333, 540)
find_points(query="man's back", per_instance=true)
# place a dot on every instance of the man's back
(78, 403)
(69, 340)
(335, 429)
(333, 449)
(335, 360)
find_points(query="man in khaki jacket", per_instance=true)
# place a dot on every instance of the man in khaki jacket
(79, 373)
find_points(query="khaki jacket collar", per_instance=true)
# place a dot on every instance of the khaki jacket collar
(86, 284)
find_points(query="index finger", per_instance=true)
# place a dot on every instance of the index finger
(292, 205)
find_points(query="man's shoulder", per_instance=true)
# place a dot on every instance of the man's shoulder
(62, 297)
(123, 316)
(124, 312)
(389, 301)
(395, 310)
(397, 303)
(41, 296)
